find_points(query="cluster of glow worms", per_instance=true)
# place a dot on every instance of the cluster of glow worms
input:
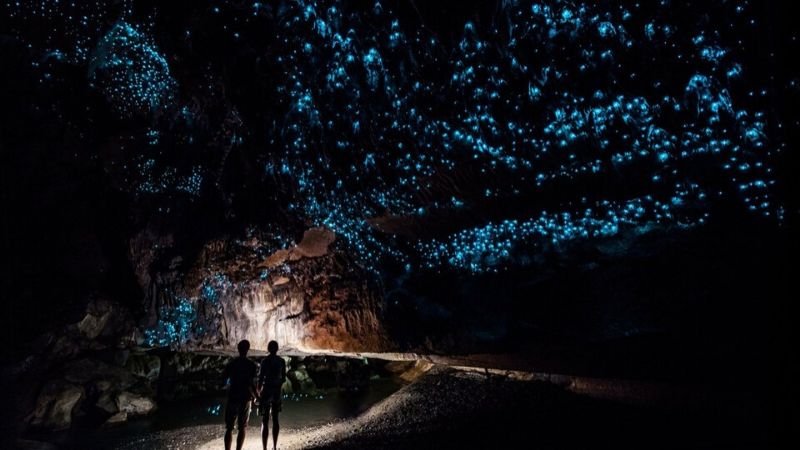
(488, 247)
(176, 324)
(179, 323)
(517, 107)
(154, 179)
(131, 72)
(375, 107)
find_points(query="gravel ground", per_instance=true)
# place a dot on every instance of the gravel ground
(183, 438)
(446, 408)
(452, 409)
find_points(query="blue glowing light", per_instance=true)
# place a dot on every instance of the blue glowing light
(131, 72)
(378, 119)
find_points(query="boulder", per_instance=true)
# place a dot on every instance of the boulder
(103, 318)
(67, 346)
(418, 369)
(104, 391)
(91, 325)
(398, 367)
(134, 404)
(144, 366)
(117, 418)
(315, 243)
(300, 380)
(107, 403)
(286, 388)
(56, 405)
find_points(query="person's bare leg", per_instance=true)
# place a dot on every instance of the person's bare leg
(240, 437)
(228, 439)
(265, 429)
(275, 428)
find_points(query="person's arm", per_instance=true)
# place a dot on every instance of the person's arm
(226, 373)
(262, 374)
(283, 371)
(253, 386)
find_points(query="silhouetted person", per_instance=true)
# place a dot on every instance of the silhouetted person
(242, 372)
(270, 379)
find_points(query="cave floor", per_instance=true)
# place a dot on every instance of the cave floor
(187, 424)
(448, 408)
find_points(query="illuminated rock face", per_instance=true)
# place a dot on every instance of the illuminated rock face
(343, 319)
(307, 297)
(260, 315)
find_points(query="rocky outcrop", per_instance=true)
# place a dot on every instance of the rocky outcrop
(310, 308)
(134, 404)
(97, 391)
(124, 406)
(78, 371)
(408, 371)
(315, 243)
(308, 297)
(144, 366)
(300, 380)
(56, 405)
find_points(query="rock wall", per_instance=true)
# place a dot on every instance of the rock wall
(307, 297)
(88, 372)
(309, 307)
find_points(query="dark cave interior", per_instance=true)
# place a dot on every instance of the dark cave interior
(596, 196)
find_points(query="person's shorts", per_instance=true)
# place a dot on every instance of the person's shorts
(237, 411)
(270, 398)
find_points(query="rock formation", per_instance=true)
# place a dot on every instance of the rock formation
(307, 297)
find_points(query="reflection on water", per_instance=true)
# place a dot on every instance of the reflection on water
(298, 412)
